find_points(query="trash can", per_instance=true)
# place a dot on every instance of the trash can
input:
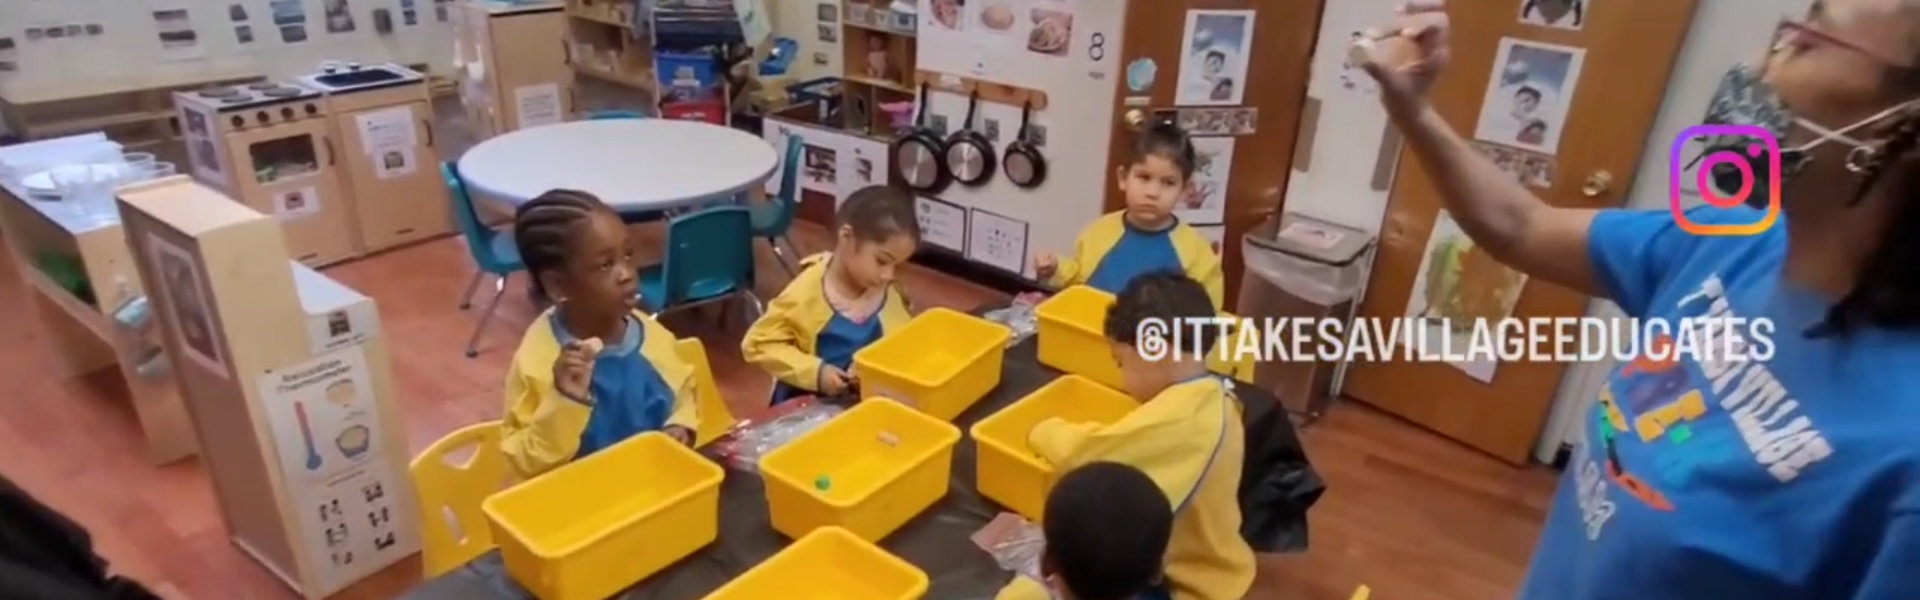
(1301, 267)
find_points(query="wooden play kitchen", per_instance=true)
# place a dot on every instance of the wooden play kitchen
(958, 101)
(510, 60)
(382, 117)
(298, 426)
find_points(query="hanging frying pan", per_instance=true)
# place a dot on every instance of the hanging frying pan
(1023, 163)
(917, 155)
(969, 154)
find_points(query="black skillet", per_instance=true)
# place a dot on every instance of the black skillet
(969, 153)
(1023, 163)
(917, 155)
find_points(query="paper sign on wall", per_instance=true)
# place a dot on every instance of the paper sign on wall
(1458, 285)
(537, 105)
(1528, 95)
(188, 295)
(997, 241)
(1205, 202)
(942, 223)
(296, 203)
(387, 136)
(863, 163)
(1214, 56)
(325, 427)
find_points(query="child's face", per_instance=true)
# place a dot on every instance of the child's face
(1524, 103)
(1216, 64)
(873, 264)
(597, 280)
(1152, 186)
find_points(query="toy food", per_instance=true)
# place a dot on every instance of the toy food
(997, 17)
(592, 345)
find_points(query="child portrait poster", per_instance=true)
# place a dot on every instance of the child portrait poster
(1528, 94)
(187, 303)
(1558, 14)
(1213, 59)
(1205, 201)
(1459, 285)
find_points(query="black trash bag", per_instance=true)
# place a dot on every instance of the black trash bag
(1277, 482)
(46, 556)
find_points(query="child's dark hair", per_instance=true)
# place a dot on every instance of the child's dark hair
(1107, 530)
(543, 227)
(1167, 141)
(1169, 297)
(876, 213)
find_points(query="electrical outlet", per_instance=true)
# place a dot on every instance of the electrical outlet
(993, 130)
(938, 123)
(1037, 135)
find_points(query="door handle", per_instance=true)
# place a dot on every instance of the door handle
(1598, 182)
(429, 125)
(329, 144)
(1136, 119)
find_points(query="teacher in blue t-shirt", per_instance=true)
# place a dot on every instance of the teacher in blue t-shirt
(1793, 477)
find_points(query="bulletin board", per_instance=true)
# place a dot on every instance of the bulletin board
(1068, 49)
(153, 41)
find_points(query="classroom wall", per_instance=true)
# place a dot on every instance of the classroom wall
(800, 20)
(128, 45)
(1338, 184)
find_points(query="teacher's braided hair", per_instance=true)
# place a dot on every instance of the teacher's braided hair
(544, 226)
(1886, 290)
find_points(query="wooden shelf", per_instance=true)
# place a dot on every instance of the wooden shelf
(880, 83)
(990, 91)
(879, 29)
(607, 20)
(640, 80)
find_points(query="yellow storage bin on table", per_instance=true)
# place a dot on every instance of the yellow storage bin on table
(941, 362)
(829, 564)
(1009, 473)
(596, 526)
(868, 470)
(1073, 339)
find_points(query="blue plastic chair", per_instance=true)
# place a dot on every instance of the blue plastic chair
(492, 251)
(774, 220)
(709, 258)
(602, 115)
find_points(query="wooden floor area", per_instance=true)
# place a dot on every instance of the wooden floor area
(1408, 513)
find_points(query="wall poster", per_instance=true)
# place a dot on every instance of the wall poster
(1457, 286)
(1213, 60)
(1528, 95)
(1558, 14)
(1205, 201)
(190, 302)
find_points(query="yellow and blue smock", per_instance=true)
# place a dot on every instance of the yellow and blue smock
(1111, 252)
(639, 385)
(1188, 439)
(801, 331)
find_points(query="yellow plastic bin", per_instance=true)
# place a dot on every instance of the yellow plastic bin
(1006, 470)
(589, 529)
(868, 470)
(829, 564)
(941, 362)
(1073, 339)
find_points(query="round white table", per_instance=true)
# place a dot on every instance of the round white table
(631, 164)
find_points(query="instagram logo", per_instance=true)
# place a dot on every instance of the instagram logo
(1761, 142)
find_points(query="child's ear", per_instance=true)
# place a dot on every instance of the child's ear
(1120, 175)
(554, 284)
(845, 235)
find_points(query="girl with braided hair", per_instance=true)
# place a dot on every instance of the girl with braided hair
(592, 370)
(1792, 469)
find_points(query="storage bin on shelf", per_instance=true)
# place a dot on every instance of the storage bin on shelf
(589, 529)
(1072, 339)
(1006, 470)
(868, 470)
(941, 362)
(829, 564)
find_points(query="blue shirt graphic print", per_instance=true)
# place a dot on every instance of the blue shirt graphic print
(1784, 469)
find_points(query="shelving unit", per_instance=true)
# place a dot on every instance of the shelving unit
(879, 51)
(606, 46)
(137, 113)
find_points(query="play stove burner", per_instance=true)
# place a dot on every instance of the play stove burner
(264, 86)
(280, 92)
(220, 93)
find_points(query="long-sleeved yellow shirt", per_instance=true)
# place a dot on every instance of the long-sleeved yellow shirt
(544, 428)
(1110, 252)
(1189, 440)
(801, 331)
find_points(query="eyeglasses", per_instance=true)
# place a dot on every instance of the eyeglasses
(1802, 31)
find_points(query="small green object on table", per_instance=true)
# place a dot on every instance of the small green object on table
(822, 483)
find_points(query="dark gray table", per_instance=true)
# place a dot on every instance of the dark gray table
(937, 541)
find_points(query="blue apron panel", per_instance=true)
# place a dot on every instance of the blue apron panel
(1138, 252)
(835, 346)
(629, 396)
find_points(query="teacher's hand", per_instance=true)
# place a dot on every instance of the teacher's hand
(1408, 53)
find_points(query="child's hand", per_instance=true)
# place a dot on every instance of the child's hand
(1045, 264)
(833, 381)
(573, 371)
(684, 435)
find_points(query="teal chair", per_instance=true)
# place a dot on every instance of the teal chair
(709, 259)
(601, 115)
(773, 220)
(492, 251)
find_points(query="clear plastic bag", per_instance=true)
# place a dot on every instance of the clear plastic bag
(751, 439)
(1015, 544)
(1019, 316)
